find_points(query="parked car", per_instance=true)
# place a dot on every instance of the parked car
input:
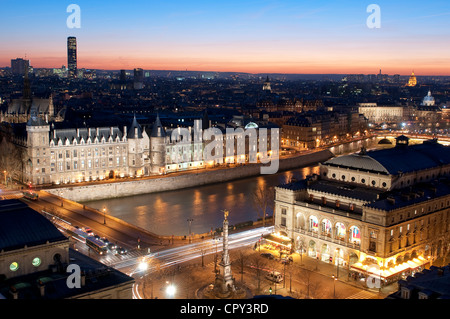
(267, 255)
(274, 276)
(287, 260)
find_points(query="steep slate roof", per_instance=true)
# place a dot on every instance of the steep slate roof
(21, 225)
(131, 131)
(158, 129)
(71, 134)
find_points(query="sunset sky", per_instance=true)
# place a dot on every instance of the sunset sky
(292, 36)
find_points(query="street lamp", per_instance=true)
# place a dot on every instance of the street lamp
(60, 195)
(190, 220)
(334, 286)
(170, 290)
(4, 172)
(104, 215)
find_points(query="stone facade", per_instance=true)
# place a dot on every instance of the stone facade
(360, 209)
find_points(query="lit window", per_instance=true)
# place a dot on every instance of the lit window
(14, 266)
(36, 262)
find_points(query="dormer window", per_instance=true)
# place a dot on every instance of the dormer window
(405, 293)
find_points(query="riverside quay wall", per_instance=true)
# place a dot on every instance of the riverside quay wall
(96, 191)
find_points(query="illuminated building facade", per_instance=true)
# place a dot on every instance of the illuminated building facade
(383, 213)
(318, 128)
(378, 114)
(412, 80)
(38, 153)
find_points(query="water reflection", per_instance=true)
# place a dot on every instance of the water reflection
(167, 213)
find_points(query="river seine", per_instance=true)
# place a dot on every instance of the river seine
(167, 213)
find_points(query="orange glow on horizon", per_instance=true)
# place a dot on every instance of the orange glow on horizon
(323, 62)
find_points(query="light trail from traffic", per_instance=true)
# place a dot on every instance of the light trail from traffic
(177, 255)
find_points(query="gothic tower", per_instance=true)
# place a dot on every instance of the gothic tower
(157, 147)
(37, 161)
(266, 86)
(137, 140)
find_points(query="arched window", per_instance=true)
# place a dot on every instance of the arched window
(313, 224)
(300, 221)
(57, 258)
(355, 235)
(340, 231)
(326, 227)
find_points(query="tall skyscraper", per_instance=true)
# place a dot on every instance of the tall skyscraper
(72, 57)
(138, 79)
(19, 66)
(123, 76)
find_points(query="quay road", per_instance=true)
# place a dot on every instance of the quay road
(75, 215)
(165, 253)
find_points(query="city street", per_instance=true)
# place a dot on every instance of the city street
(301, 280)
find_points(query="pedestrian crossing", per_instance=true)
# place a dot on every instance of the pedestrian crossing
(362, 295)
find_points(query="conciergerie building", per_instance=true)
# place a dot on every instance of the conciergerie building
(38, 153)
(382, 213)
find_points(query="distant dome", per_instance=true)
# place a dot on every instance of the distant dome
(428, 100)
(251, 125)
(385, 141)
(412, 80)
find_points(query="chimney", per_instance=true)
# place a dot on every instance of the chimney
(41, 288)
(125, 131)
(78, 132)
(14, 292)
(83, 279)
(111, 130)
(391, 200)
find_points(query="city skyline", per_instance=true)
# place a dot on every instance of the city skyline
(252, 37)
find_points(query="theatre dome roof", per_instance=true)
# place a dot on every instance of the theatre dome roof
(399, 159)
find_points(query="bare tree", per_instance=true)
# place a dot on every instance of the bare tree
(313, 287)
(258, 264)
(240, 258)
(301, 245)
(11, 159)
(263, 201)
